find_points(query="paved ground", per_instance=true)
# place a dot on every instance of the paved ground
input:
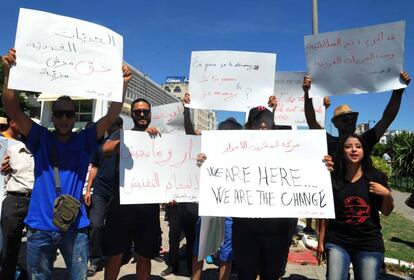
(400, 207)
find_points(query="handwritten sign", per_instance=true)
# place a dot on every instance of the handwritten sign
(67, 56)
(168, 118)
(290, 108)
(3, 149)
(367, 59)
(158, 170)
(230, 80)
(265, 174)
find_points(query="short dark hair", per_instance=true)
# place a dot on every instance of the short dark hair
(229, 124)
(140, 100)
(64, 98)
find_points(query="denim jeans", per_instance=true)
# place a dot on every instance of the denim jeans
(366, 265)
(41, 253)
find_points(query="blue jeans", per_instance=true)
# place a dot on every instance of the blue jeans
(366, 265)
(41, 253)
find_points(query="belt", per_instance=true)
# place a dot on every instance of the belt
(20, 194)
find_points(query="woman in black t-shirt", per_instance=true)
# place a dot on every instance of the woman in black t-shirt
(360, 192)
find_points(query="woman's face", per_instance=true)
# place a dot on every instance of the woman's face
(353, 151)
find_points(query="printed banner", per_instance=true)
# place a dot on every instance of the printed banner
(360, 60)
(230, 80)
(265, 174)
(67, 56)
(158, 170)
(290, 108)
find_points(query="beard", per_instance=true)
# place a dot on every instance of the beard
(140, 126)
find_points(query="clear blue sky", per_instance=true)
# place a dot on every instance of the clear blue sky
(159, 35)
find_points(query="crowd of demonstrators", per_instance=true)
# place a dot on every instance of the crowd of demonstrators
(49, 164)
(62, 156)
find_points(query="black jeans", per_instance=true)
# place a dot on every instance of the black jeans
(97, 215)
(181, 217)
(13, 213)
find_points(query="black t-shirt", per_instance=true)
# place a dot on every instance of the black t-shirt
(369, 137)
(107, 178)
(357, 223)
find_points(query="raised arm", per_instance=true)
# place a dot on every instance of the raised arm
(309, 110)
(9, 97)
(392, 108)
(188, 125)
(115, 109)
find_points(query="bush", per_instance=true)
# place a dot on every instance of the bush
(402, 153)
(382, 165)
(378, 150)
(404, 184)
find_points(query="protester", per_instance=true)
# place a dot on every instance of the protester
(225, 253)
(19, 166)
(62, 156)
(345, 119)
(104, 179)
(125, 224)
(360, 192)
(3, 124)
(182, 217)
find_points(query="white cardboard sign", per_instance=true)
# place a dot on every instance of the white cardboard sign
(169, 118)
(367, 59)
(231, 80)
(265, 174)
(158, 170)
(67, 56)
(290, 108)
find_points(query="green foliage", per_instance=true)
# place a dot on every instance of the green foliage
(382, 165)
(404, 184)
(402, 153)
(378, 150)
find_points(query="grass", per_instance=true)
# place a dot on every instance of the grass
(398, 235)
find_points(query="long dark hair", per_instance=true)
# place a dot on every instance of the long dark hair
(340, 169)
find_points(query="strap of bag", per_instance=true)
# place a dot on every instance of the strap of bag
(55, 168)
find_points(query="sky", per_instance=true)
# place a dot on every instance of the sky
(159, 35)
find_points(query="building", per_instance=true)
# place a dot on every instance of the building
(88, 110)
(361, 128)
(202, 119)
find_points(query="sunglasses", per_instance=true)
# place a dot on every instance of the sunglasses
(59, 114)
(138, 112)
(348, 119)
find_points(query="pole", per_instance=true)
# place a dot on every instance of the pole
(315, 17)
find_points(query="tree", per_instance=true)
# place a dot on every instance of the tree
(401, 146)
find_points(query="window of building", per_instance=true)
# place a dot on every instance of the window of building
(177, 89)
(84, 110)
(167, 88)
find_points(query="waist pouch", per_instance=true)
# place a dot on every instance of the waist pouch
(65, 211)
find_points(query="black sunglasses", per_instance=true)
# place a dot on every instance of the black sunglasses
(59, 114)
(348, 119)
(138, 112)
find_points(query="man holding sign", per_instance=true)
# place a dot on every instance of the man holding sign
(62, 156)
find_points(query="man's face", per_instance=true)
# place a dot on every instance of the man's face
(346, 124)
(64, 117)
(141, 114)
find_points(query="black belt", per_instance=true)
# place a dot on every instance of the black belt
(20, 194)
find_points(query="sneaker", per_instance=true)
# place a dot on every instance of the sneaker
(93, 269)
